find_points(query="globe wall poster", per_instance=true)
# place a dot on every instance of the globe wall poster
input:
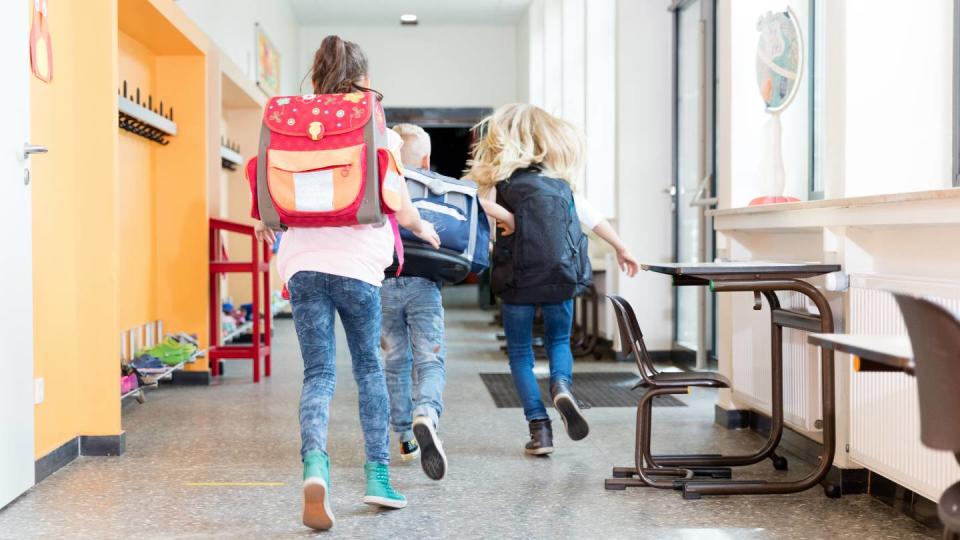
(267, 64)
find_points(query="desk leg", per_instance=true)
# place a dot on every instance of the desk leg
(768, 450)
(694, 489)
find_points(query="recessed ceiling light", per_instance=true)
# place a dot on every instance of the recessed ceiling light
(408, 19)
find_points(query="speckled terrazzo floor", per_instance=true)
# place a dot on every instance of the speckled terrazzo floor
(235, 431)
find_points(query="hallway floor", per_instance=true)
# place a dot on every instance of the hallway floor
(184, 441)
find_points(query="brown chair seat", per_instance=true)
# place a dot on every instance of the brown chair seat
(705, 379)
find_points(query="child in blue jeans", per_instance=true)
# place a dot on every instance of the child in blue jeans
(527, 162)
(413, 344)
(337, 270)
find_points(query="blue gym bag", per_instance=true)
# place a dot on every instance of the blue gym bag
(452, 207)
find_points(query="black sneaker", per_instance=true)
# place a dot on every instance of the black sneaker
(566, 405)
(433, 460)
(541, 438)
(409, 450)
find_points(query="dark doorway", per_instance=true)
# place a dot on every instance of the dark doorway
(451, 147)
(449, 130)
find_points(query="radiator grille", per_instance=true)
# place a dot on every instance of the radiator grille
(884, 411)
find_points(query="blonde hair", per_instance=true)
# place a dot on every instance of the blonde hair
(518, 136)
(416, 144)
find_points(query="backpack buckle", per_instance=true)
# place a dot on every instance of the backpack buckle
(315, 130)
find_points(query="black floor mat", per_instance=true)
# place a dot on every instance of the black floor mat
(592, 389)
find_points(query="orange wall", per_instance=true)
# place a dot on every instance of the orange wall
(119, 222)
(135, 192)
(181, 200)
(54, 241)
(74, 241)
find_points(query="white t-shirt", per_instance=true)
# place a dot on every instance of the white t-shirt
(588, 215)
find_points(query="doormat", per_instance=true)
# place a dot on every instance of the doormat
(592, 389)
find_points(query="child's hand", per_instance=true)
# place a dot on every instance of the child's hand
(506, 224)
(264, 233)
(428, 234)
(627, 263)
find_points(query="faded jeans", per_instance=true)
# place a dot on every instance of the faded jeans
(518, 327)
(413, 351)
(315, 298)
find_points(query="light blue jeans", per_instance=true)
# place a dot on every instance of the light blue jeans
(518, 328)
(316, 298)
(413, 351)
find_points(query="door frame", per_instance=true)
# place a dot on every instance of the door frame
(708, 17)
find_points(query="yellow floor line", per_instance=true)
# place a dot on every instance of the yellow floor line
(233, 484)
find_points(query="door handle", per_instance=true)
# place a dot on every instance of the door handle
(671, 191)
(30, 149)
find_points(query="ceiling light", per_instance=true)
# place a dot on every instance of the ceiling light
(408, 19)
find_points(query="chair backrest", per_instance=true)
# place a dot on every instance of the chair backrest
(935, 335)
(631, 337)
(638, 337)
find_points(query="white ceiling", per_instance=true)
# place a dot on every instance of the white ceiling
(387, 12)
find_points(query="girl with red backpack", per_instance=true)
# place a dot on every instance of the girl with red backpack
(338, 269)
(528, 160)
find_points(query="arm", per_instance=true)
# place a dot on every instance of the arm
(409, 218)
(590, 218)
(503, 217)
(624, 259)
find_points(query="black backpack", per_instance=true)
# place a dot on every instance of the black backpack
(545, 260)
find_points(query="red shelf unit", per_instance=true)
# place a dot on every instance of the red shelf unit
(259, 269)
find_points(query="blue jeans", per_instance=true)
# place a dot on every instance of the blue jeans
(518, 327)
(315, 298)
(413, 350)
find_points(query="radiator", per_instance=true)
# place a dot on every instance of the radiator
(884, 411)
(801, 363)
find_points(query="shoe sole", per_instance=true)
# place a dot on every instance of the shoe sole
(316, 505)
(573, 420)
(385, 502)
(539, 451)
(433, 460)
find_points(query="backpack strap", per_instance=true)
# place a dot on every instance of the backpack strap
(268, 212)
(370, 210)
(397, 242)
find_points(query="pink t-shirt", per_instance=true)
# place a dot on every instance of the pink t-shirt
(360, 252)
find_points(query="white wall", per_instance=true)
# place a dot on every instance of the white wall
(231, 26)
(644, 147)
(430, 66)
(617, 83)
(899, 96)
(569, 52)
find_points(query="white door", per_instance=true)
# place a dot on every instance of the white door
(16, 289)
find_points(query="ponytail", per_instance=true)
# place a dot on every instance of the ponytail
(339, 67)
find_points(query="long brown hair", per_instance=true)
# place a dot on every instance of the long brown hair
(339, 67)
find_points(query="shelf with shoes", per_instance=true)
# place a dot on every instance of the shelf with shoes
(136, 346)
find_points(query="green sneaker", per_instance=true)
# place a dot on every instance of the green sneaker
(316, 491)
(379, 490)
(170, 352)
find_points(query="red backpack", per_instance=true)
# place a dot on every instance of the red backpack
(323, 162)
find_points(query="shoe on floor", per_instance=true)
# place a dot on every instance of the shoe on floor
(573, 420)
(541, 438)
(379, 490)
(409, 450)
(432, 459)
(316, 491)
